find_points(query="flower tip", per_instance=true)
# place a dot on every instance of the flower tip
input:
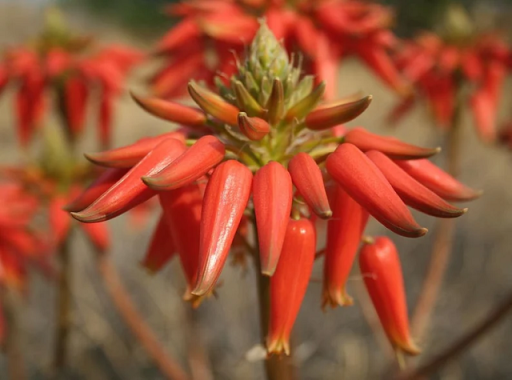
(201, 288)
(70, 207)
(278, 347)
(93, 157)
(267, 272)
(410, 348)
(155, 183)
(421, 232)
(88, 218)
(324, 214)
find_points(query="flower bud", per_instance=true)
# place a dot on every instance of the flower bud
(182, 212)
(272, 198)
(344, 232)
(390, 146)
(300, 109)
(382, 273)
(246, 102)
(171, 111)
(289, 283)
(253, 128)
(195, 162)
(161, 247)
(213, 104)
(364, 182)
(411, 191)
(307, 177)
(437, 180)
(275, 103)
(331, 115)
(128, 156)
(130, 191)
(225, 200)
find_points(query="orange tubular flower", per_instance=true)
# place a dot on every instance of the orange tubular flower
(19, 244)
(326, 31)
(58, 63)
(272, 197)
(129, 191)
(226, 197)
(382, 272)
(289, 283)
(344, 232)
(364, 182)
(182, 212)
(266, 133)
(412, 192)
(161, 247)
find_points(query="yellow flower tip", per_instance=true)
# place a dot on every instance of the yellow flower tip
(88, 218)
(335, 299)
(409, 347)
(324, 214)
(278, 346)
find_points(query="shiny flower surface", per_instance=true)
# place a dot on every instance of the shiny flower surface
(266, 147)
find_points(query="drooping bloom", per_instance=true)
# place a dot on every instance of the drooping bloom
(451, 71)
(289, 283)
(63, 66)
(20, 242)
(382, 273)
(267, 134)
(210, 34)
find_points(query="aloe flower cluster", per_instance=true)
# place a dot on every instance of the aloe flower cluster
(20, 244)
(212, 33)
(447, 71)
(66, 66)
(51, 182)
(263, 151)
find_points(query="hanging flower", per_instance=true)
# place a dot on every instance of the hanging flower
(20, 242)
(211, 34)
(266, 147)
(382, 273)
(60, 63)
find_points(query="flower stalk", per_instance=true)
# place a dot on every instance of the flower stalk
(443, 243)
(169, 367)
(64, 306)
(276, 368)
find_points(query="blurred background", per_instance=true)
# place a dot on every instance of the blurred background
(331, 345)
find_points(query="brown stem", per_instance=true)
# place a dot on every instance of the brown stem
(276, 367)
(15, 363)
(443, 242)
(122, 301)
(431, 285)
(463, 343)
(63, 312)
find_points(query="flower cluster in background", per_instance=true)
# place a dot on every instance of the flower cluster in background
(212, 35)
(67, 72)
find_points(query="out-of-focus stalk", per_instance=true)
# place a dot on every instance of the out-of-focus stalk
(124, 305)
